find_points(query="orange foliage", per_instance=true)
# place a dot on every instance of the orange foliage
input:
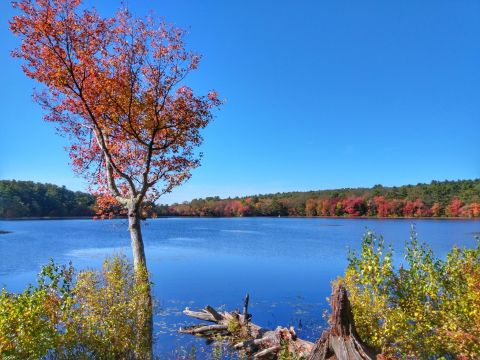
(453, 209)
(114, 86)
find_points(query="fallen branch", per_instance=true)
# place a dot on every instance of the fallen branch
(245, 335)
(339, 342)
(204, 329)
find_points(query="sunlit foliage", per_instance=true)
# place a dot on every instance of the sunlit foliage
(32, 199)
(97, 314)
(437, 199)
(115, 86)
(428, 307)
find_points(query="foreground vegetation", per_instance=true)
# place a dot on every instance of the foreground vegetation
(93, 315)
(426, 308)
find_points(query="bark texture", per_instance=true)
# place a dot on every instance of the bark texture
(341, 340)
(134, 226)
(145, 335)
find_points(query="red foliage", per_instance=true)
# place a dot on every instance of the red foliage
(382, 206)
(351, 207)
(475, 209)
(453, 209)
(114, 87)
(396, 207)
(420, 209)
(354, 206)
(409, 208)
(234, 208)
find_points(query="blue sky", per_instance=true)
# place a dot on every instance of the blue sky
(319, 94)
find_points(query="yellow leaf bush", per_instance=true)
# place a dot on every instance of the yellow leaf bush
(427, 309)
(98, 314)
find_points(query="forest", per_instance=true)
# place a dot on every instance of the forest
(459, 198)
(32, 199)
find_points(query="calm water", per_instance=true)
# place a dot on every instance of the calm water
(285, 264)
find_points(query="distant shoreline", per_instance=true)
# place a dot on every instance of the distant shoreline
(48, 218)
(239, 217)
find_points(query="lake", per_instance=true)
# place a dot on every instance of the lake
(286, 264)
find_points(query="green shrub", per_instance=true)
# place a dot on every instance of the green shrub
(31, 323)
(100, 315)
(428, 308)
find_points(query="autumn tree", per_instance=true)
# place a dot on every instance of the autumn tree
(382, 206)
(311, 207)
(453, 209)
(114, 86)
(475, 209)
(436, 209)
(355, 206)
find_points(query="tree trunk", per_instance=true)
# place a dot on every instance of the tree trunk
(135, 229)
(145, 317)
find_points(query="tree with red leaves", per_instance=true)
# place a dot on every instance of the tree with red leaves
(114, 86)
(475, 209)
(382, 206)
(453, 209)
(355, 206)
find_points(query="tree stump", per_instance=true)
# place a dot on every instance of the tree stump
(339, 342)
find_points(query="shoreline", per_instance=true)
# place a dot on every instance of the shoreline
(46, 218)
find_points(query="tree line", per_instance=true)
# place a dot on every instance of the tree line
(459, 198)
(438, 199)
(31, 199)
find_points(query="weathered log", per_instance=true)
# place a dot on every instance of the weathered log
(255, 340)
(204, 329)
(268, 351)
(250, 343)
(339, 342)
(202, 315)
(214, 313)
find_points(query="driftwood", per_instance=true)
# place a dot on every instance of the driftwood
(339, 342)
(246, 336)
